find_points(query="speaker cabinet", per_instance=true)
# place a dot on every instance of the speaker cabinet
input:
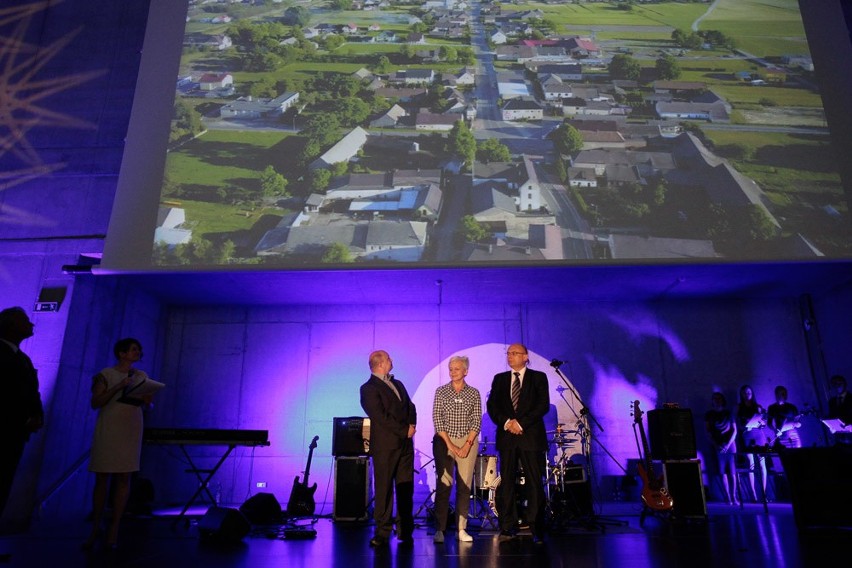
(262, 509)
(350, 436)
(352, 488)
(819, 486)
(223, 524)
(671, 434)
(683, 480)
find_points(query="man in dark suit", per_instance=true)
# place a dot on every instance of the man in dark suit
(393, 421)
(21, 412)
(517, 404)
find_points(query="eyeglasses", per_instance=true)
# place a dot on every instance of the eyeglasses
(515, 353)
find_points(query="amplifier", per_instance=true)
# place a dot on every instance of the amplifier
(671, 434)
(352, 489)
(686, 486)
(351, 436)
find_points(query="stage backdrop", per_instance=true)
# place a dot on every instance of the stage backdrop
(292, 369)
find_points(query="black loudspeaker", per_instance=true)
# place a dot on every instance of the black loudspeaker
(819, 486)
(352, 485)
(262, 509)
(350, 436)
(685, 485)
(223, 523)
(671, 434)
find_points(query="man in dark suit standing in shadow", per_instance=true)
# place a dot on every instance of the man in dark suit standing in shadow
(517, 404)
(21, 412)
(393, 421)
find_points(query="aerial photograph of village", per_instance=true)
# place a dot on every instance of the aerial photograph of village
(312, 133)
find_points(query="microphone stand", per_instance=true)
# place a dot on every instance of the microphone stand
(430, 507)
(584, 430)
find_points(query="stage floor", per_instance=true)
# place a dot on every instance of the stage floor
(727, 537)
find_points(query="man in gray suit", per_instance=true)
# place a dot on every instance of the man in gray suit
(393, 421)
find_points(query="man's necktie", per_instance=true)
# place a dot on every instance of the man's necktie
(516, 390)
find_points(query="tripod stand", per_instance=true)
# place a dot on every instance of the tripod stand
(428, 503)
(588, 519)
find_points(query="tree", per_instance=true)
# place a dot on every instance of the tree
(350, 111)
(297, 16)
(567, 139)
(383, 65)
(186, 122)
(336, 253)
(492, 150)
(448, 54)
(473, 230)
(461, 142)
(759, 225)
(323, 129)
(263, 88)
(272, 183)
(341, 4)
(624, 67)
(561, 171)
(668, 67)
(319, 180)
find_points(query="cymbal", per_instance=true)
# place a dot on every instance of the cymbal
(564, 441)
(556, 432)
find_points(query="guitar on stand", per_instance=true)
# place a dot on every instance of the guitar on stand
(301, 503)
(655, 496)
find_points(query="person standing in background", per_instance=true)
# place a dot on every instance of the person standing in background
(751, 422)
(517, 404)
(21, 411)
(840, 407)
(117, 440)
(783, 419)
(393, 422)
(721, 430)
(457, 416)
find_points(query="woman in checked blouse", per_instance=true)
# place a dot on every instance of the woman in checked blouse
(457, 416)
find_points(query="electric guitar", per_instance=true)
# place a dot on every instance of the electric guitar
(654, 493)
(790, 424)
(301, 503)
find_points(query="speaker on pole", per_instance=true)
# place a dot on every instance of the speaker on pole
(262, 509)
(223, 524)
(671, 434)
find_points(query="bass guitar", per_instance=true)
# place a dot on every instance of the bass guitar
(301, 503)
(654, 493)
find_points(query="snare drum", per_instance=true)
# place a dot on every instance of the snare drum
(485, 475)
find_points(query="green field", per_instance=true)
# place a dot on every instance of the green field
(673, 14)
(761, 27)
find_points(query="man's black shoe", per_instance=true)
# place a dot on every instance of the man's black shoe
(378, 541)
(507, 534)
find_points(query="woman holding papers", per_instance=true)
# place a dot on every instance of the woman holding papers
(119, 394)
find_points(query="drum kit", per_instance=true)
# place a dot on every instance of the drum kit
(560, 470)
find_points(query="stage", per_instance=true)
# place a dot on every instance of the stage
(727, 536)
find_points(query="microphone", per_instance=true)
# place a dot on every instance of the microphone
(556, 363)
